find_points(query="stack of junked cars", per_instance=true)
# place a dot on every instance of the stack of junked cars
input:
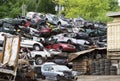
(45, 39)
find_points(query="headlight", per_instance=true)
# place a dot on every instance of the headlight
(61, 74)
(74, 73)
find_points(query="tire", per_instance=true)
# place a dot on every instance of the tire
(101, 61)
(113, 72)
(107, 64)
(58, 78)
(36, 47)
(102, 65)
(113, 68)
(39, 60)
(43, 77)
(107, 61)
(102, 73)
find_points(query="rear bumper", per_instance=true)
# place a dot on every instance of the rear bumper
(69, 49)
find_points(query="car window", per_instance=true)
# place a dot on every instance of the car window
(61, 68)
(47, 67)
(55, 18)
(72, 35)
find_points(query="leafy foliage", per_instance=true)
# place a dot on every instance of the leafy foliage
(94, 10)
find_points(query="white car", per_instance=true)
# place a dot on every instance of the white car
(34, 16)
(30, 14)
(52, 19)
(54, 52)
(56, 20)
(24, 42)
(31, 44)
(39, 56)
(68, 38)
(63, 22)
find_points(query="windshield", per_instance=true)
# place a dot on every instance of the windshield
(61, 68)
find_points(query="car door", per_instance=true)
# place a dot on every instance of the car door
(72, 38)
(65, 37)
(55, 46)
(60, 37)
(48, 72)
(26, 43)
(82, 42)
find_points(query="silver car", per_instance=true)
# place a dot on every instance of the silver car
(52, 71)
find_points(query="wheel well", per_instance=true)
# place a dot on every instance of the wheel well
(69, 40)
(36, 44)
(41, 48)
(37, 56)
(46, 19)
(59, 23)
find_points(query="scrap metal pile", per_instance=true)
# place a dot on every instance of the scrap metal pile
(50, 38)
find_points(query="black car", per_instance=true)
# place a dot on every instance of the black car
(7, 28)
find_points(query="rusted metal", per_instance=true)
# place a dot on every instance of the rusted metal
(1, 55)
(10, 57)
(73, 56)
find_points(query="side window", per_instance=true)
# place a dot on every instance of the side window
(47, 68)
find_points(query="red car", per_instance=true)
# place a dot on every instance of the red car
(62, 47)
(45, 30)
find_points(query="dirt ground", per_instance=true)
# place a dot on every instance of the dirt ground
(99, 78)
(96, 78)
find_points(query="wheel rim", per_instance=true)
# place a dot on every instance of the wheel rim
(39, 60)
(37, 47)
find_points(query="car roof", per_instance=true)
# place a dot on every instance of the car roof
(46, 63)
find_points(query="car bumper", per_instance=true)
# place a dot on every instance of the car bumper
(69, 49)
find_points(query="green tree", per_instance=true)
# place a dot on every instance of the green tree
(94, 10)
(12, 8)
(113, 4)
(46, 6)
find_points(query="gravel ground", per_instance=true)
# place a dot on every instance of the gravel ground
(96, 78)
(99, 78)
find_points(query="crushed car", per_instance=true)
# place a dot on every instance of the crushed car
(52, 71)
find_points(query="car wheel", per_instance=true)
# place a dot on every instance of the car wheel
(43, 77)
(39, 60)
(36, 47)
(58, 78)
